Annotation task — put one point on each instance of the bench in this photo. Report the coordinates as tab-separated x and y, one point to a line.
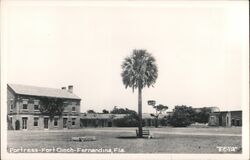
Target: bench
144	132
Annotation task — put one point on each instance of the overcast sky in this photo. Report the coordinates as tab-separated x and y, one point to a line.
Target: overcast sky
198	51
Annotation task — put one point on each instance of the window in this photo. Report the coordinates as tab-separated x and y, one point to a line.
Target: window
36	105
11	104
36	121
233	122
11	120
25	104
24	122
73	121
55	121
212	118
73	109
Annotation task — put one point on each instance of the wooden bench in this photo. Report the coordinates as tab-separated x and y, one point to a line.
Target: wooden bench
144	132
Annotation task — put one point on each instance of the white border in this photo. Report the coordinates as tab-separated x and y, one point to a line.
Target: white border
245	82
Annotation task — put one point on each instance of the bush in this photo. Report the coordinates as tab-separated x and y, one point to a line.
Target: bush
130	120
203	115
127	121
182	116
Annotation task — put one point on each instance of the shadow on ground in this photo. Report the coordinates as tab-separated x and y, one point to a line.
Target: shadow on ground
135	137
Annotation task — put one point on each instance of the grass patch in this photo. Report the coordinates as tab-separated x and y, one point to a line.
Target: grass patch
125	138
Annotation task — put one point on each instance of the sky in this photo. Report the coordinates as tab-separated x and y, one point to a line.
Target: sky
199	51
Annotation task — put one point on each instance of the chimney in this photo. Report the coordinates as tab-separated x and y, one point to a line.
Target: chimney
63	88
70	88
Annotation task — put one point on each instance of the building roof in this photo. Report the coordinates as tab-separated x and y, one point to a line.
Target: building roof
101	116
42	91
229	111
114	116
213	109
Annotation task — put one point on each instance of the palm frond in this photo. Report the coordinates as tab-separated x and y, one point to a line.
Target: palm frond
139	69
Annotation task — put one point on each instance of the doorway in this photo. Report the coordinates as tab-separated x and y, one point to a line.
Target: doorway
46	123
17	125
24	122
109	124
65	122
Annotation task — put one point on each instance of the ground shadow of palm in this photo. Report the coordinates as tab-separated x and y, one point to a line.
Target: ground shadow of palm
135	137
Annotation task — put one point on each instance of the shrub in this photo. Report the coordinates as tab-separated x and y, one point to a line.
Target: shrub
203	115
182	116
130	120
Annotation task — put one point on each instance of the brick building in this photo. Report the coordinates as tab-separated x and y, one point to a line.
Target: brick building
23	108
225	118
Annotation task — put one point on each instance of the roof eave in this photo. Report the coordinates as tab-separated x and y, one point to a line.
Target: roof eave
47	96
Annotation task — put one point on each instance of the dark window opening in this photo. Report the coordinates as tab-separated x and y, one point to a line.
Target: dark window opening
25	106
73	121
36	121
36	107
56	122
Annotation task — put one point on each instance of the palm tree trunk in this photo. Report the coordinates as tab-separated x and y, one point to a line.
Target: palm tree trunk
140	110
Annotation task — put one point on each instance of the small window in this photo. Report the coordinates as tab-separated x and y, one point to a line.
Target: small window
25	104
36	121
212	118
36	105
11	104
73	121
56	122
73	109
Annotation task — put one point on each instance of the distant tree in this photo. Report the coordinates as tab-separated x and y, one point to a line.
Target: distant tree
182	116
117	110
127	121
51	106
151	102
138	71
159	109
131	118
91	111
105	111
203	115
164	121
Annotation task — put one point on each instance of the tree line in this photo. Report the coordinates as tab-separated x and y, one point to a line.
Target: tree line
181	116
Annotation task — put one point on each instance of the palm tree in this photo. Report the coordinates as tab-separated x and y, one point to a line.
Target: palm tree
138	71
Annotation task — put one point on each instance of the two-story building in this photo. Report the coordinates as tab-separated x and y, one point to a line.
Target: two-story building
24	102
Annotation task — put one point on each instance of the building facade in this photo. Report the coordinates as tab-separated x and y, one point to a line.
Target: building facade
108	120
24	103
225	118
